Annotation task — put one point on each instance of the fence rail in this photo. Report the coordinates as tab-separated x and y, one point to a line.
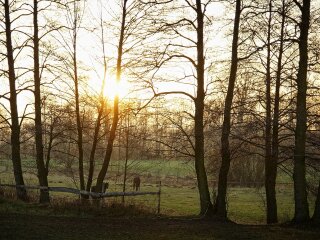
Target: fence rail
92	194
82	192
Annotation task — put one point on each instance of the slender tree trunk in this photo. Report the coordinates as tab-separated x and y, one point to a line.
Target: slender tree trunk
206	208
316	214
299	171
127	157
220	207
270	165
273	215
100	115
15	126
50	146
93	148
76	85
42	172
112	135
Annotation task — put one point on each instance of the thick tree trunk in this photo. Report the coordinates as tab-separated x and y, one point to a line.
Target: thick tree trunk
221	206
299	171
115	120
42	172
316	214
270	164
206	208
15	126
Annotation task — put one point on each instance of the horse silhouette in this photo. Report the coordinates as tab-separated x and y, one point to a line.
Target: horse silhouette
136	183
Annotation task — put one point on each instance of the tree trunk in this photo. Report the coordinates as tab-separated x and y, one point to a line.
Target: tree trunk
94	147
221	207
76	85
206	208
15	126
299	171
270	164
50	146
127	157
316	214
275	124
112	135
42	172
100	115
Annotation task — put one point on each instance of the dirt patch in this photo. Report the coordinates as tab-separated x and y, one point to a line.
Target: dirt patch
19	226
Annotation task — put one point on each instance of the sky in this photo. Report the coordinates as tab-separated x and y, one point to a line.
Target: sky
90	51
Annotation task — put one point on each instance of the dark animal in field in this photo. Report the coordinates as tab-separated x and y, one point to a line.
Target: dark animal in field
136	183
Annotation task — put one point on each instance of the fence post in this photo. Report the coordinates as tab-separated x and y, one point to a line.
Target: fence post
159	197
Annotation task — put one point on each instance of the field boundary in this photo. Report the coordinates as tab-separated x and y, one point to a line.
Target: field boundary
91	194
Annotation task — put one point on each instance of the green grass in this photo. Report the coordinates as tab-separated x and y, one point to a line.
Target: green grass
179	193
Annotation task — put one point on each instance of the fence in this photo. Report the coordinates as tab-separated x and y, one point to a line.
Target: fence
91	194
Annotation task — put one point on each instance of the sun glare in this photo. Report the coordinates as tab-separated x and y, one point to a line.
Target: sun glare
112	88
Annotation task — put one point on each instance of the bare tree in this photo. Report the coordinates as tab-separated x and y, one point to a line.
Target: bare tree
115	120
221	208
42	171
270	164
15	125
299	175
101	110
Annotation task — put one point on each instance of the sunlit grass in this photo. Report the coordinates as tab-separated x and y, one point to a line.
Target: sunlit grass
179	195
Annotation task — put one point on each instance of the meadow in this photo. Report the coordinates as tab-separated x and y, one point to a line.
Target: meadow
179	195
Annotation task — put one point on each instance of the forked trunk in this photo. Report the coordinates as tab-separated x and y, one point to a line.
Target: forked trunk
221	205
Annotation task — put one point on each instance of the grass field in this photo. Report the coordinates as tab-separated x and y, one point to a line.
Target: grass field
66	219
179	193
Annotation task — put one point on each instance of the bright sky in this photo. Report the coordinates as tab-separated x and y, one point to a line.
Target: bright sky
90	53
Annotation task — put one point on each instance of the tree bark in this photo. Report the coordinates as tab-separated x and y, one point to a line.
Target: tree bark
275	124
101	110
206	208
316	214
76	85
115	120
221	206
299	171
94	147
42	172
127	157
270	164
15	126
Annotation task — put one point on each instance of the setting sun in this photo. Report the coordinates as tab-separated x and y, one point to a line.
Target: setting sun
111	87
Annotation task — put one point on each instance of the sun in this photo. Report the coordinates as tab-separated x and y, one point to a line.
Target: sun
111	88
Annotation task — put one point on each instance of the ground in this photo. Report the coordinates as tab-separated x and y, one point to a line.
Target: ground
23	226
66	219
